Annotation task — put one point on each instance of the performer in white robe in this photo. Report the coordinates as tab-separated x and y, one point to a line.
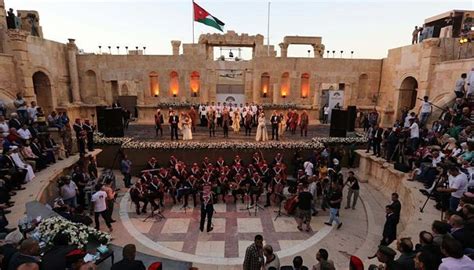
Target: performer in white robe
30	174
236	120
187	132
262	134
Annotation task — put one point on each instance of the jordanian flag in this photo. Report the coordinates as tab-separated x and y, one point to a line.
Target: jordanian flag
202	16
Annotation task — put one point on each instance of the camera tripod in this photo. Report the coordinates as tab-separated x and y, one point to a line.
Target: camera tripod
156	214
439	180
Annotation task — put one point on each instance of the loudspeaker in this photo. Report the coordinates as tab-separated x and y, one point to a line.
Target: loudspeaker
351	117
100	112
338	119
337	132
114	121
110	122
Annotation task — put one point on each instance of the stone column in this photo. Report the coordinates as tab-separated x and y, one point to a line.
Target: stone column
318	50
283	50
20	55
175	44
73	73
3	25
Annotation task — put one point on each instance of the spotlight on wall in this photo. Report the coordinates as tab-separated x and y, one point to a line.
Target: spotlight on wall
144	48
126	49
118	49
352	53
110	47
333	52
100	49
136	48
342	53
309	53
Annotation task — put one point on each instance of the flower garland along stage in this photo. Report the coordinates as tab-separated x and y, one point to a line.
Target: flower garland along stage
79	234
315	143
268	106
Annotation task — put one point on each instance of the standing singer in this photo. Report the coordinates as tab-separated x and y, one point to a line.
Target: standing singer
207	208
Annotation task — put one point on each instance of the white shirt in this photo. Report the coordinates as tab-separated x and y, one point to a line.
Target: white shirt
414	131
4	129
450	263
308	168
68	191
460	183
470	81
25	134
407	121
326	110
459	85
437	160
32	112
425	107
99	201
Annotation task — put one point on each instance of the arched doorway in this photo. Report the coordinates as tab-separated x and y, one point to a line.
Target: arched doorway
407	94
195	83
174	83
154	84
265	84
285	85
304	85
42	88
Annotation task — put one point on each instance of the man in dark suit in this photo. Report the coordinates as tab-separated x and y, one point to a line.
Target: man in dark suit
128	262
89	129
390	228
275	121
377	140
173	121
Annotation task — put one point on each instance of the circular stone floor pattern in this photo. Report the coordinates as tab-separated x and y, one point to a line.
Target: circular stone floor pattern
178	235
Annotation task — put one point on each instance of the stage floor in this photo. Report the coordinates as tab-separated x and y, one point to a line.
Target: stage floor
147	133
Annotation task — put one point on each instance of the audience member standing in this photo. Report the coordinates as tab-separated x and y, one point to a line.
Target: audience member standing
100	207
304	208
271	259
21	107
80	136
459	89
389	233
126	169
334	201
353	183
254	255
322	256
425	111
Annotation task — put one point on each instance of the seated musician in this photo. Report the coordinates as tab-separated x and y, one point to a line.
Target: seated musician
174	184
196	171
146	177
220	162
256	187
187	188
237	169
225	170
137	195
180	171
211	171
237	186
250	169
256	158
301	177
223	186
278	159
152	164
164	176
238	160
205	162
156	191
172	162
275	188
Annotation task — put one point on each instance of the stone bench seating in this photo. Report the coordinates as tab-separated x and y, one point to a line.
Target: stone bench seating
43	187
384	179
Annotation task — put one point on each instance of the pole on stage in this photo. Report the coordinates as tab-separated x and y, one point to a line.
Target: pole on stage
268	30
192	17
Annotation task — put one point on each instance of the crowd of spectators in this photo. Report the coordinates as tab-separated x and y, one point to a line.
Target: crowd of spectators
439	154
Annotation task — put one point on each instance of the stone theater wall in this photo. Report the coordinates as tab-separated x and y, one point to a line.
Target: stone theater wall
61	77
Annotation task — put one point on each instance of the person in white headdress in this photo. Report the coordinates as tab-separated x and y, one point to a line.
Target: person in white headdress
15	156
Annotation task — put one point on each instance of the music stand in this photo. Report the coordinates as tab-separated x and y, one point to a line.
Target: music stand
281	198
157	216
247	195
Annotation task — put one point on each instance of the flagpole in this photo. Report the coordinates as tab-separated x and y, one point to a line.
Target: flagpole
268	30
192	17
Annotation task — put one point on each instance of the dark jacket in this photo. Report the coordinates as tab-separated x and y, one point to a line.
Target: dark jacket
390	227
128	265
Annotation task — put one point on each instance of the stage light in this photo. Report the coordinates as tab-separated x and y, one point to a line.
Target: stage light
100	49
231	54
352	53
118	49
136	47
309	53
110	47
342	53
333	52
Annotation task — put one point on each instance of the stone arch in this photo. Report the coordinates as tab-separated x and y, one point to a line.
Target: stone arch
174	83
407	93
195	83
304	88
154	84
265	84
89	86
363	86
285	84
43	91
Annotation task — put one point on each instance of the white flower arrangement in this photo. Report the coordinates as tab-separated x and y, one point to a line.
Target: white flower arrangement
222	145
79	234
340	140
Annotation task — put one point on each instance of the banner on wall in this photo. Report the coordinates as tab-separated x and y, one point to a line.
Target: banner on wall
336	97
236	99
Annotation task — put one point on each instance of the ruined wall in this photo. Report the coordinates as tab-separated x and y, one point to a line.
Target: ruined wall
8	86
